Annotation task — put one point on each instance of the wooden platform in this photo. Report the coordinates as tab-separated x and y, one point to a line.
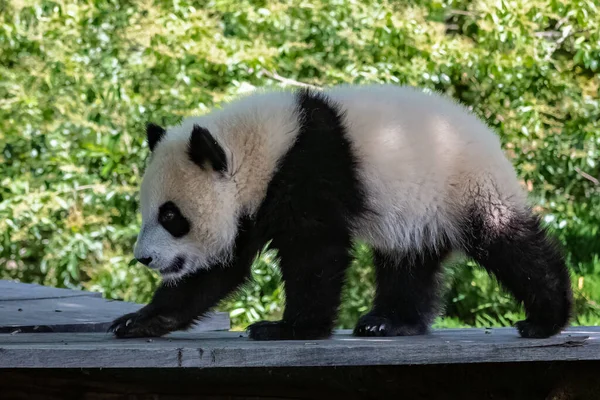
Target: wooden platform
54	347
470	364
232	349
34	308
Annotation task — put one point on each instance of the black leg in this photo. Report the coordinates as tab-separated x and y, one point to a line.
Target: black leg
313	270
529	264
310	203
407	295
178	307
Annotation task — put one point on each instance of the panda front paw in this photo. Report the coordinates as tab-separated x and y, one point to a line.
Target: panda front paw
281	330
140	324
532	330
377	326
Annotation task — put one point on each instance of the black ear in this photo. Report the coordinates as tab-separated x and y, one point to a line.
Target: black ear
154	134
204	148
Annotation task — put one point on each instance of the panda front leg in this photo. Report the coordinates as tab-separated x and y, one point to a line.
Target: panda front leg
313	269
178	306
407	296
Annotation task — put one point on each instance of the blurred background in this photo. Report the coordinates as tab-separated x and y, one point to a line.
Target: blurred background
79	79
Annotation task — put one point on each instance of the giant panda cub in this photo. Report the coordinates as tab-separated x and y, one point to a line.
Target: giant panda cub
414	175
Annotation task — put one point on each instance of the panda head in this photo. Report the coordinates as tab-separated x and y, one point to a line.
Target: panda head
187	200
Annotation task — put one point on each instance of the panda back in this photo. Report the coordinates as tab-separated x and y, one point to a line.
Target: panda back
425	161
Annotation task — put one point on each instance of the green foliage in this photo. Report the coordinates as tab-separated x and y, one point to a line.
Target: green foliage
79	79
263	297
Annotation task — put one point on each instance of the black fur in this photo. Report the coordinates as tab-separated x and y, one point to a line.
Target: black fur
171	218
529	264
307	212
178	307
204	148
154	134
520	254
407	298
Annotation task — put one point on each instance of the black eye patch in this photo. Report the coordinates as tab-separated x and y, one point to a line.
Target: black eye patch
172	220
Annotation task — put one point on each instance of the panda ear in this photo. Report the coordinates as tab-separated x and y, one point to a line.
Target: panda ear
154	134
204	148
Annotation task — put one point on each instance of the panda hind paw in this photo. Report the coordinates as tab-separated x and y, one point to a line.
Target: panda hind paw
282	330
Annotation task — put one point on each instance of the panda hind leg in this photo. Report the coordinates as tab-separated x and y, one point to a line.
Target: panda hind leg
527	262
407	295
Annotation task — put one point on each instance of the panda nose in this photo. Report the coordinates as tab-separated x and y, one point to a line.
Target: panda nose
145	260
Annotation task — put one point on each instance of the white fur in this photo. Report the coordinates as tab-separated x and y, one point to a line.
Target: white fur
424	160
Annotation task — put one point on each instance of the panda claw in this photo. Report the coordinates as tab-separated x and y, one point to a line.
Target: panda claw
375	326
134	325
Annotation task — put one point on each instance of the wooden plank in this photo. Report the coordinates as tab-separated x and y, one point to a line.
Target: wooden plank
235	350
35	308
78	314
11	291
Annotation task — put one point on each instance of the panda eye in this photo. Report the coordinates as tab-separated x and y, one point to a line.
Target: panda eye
172	220
167	216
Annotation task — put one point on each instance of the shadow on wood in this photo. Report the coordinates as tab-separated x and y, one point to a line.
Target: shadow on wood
511	381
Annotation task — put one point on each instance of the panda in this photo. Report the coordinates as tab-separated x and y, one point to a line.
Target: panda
413	174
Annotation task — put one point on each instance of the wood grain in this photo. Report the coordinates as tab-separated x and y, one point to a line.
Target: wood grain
28	308
232	349
10	291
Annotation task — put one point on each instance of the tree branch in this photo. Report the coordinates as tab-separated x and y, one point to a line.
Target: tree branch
287	81
587	176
